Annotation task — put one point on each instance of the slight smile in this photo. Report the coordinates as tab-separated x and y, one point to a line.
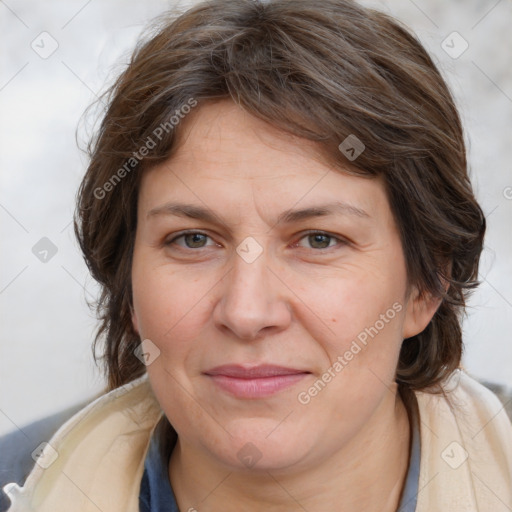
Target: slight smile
254	382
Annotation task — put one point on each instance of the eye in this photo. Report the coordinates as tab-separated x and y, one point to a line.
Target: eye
192	240
315	239
321	240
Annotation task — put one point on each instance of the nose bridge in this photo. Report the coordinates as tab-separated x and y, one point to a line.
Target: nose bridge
252	298
249	278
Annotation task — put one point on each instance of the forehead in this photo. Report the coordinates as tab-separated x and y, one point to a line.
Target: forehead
224	130
226	157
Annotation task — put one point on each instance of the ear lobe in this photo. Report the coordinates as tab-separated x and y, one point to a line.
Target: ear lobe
419	311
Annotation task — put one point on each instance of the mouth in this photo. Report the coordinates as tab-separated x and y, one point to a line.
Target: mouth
256	381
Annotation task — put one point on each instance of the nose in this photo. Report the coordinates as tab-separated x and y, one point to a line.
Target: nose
253	300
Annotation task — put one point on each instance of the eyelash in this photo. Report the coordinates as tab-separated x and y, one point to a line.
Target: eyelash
341	241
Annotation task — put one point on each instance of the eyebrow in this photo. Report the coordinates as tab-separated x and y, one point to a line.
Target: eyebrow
287	217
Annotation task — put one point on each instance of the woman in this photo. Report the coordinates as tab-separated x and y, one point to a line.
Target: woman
278	211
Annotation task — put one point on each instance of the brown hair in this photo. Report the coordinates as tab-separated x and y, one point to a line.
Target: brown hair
320	70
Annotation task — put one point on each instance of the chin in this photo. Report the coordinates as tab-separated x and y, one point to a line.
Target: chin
260	446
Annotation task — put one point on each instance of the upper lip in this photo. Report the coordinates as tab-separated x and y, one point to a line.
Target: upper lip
252	372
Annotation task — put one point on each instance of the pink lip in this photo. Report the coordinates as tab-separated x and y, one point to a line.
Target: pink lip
255	382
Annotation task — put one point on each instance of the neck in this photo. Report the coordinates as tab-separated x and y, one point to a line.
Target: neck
367	474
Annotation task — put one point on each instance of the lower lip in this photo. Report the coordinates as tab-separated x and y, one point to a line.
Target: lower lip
256	388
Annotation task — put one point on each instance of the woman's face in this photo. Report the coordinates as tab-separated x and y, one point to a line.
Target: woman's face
288	262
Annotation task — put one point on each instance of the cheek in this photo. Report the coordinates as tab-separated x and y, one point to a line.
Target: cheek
163	298
173	310
363	355
169	313
366	314
359	309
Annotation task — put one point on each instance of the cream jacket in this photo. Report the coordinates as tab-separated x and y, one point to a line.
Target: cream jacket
466	453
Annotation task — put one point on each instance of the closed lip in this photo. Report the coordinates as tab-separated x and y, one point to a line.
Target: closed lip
253	372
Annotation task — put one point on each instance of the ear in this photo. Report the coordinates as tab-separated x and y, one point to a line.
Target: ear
419	311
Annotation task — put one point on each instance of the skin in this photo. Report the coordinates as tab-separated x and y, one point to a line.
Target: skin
300	304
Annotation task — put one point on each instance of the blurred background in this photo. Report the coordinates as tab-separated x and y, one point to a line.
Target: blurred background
59	56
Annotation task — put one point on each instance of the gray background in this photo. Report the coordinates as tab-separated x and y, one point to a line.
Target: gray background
46	326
